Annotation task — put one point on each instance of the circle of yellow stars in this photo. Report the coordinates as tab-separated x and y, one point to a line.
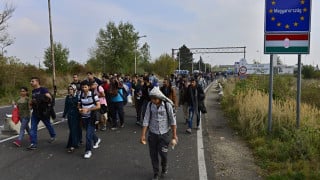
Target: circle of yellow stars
287	26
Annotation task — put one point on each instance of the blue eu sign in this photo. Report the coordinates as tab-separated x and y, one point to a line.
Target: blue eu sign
287	15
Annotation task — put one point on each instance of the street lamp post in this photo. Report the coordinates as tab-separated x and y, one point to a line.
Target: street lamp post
135	55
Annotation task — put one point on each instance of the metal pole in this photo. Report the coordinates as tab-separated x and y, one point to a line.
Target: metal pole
298	91
179	61
270	94
192	66
52	50
135	60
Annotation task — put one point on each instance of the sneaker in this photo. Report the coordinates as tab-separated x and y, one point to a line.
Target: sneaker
164	173
188	130
104	128
138	123
96	145
155	177
71	150
17	143
51	140
32	147
87	155
114	128
122	125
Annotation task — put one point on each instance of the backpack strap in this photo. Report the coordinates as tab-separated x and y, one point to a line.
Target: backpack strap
165	105
168	117
92	96
121	94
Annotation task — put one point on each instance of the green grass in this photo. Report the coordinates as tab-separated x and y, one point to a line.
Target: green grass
286	152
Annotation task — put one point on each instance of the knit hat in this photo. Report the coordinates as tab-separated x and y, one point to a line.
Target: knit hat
155	92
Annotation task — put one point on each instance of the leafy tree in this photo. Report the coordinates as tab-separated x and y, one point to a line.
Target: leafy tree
186	58
200	65
75	67
308	71
164	65
61	55
144	58
116	48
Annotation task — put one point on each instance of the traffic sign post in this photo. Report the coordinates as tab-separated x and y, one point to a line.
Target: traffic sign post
287	27
287	16
287	31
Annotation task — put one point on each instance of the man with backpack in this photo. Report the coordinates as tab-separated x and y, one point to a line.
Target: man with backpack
158	118
41	110
88	106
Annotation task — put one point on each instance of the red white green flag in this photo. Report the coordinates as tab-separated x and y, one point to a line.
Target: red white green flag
287	43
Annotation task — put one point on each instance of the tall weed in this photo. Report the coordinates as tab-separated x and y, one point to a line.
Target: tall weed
287	152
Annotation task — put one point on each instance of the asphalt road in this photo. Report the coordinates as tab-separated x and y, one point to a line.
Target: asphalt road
119	157
7	109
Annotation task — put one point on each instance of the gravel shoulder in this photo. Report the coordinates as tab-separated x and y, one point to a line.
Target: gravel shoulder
228	156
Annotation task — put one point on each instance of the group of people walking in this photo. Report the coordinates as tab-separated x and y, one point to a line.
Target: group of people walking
91	104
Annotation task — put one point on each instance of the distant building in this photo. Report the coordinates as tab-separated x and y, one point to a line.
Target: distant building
243	67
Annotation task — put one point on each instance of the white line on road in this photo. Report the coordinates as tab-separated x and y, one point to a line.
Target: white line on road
15	136
2	107
201	159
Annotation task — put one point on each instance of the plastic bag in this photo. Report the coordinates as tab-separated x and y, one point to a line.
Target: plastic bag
15	115
129	99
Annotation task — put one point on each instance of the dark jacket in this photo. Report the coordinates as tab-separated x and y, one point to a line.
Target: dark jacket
196	96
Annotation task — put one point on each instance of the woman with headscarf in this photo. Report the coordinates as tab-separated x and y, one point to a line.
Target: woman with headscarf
72	113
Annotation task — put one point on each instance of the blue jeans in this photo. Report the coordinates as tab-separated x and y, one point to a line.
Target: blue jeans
91	136
24	126
34	128
117	110
191	113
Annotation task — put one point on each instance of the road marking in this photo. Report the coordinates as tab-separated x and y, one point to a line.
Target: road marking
2	107
201	159
15	136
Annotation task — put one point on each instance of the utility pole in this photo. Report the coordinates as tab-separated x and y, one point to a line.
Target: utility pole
52	51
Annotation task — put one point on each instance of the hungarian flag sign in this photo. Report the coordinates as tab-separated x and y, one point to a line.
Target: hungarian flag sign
287	43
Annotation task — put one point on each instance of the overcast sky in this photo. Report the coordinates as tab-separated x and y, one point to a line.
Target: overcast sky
166	23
